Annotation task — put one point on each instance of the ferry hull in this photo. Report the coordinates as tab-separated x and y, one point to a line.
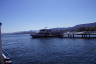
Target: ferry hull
46	36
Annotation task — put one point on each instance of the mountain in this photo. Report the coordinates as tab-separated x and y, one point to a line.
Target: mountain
80	27
23	32
88	26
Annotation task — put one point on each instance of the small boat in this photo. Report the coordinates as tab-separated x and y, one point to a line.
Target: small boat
44	33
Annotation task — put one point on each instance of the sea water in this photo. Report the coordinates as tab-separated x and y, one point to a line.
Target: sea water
23	49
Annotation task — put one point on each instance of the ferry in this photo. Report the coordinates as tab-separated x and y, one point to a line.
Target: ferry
43	33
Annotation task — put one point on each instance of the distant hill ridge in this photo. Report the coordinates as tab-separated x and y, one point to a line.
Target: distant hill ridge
80	27
87	25
77	27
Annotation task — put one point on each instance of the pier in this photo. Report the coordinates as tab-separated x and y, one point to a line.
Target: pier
3	58
80	35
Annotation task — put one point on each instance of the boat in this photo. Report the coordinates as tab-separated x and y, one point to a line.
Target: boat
44	33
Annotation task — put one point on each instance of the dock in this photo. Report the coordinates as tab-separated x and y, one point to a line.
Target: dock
80	35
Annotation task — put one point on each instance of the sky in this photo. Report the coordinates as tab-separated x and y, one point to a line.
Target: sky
23	15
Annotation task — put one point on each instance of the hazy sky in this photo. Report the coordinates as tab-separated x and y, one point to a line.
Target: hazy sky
22	15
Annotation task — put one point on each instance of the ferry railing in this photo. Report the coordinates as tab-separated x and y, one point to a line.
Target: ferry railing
3	58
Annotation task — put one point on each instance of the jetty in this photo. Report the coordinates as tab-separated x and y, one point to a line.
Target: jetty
3	58
85	34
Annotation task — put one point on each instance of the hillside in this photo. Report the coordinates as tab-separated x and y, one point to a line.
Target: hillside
80	27
77	28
